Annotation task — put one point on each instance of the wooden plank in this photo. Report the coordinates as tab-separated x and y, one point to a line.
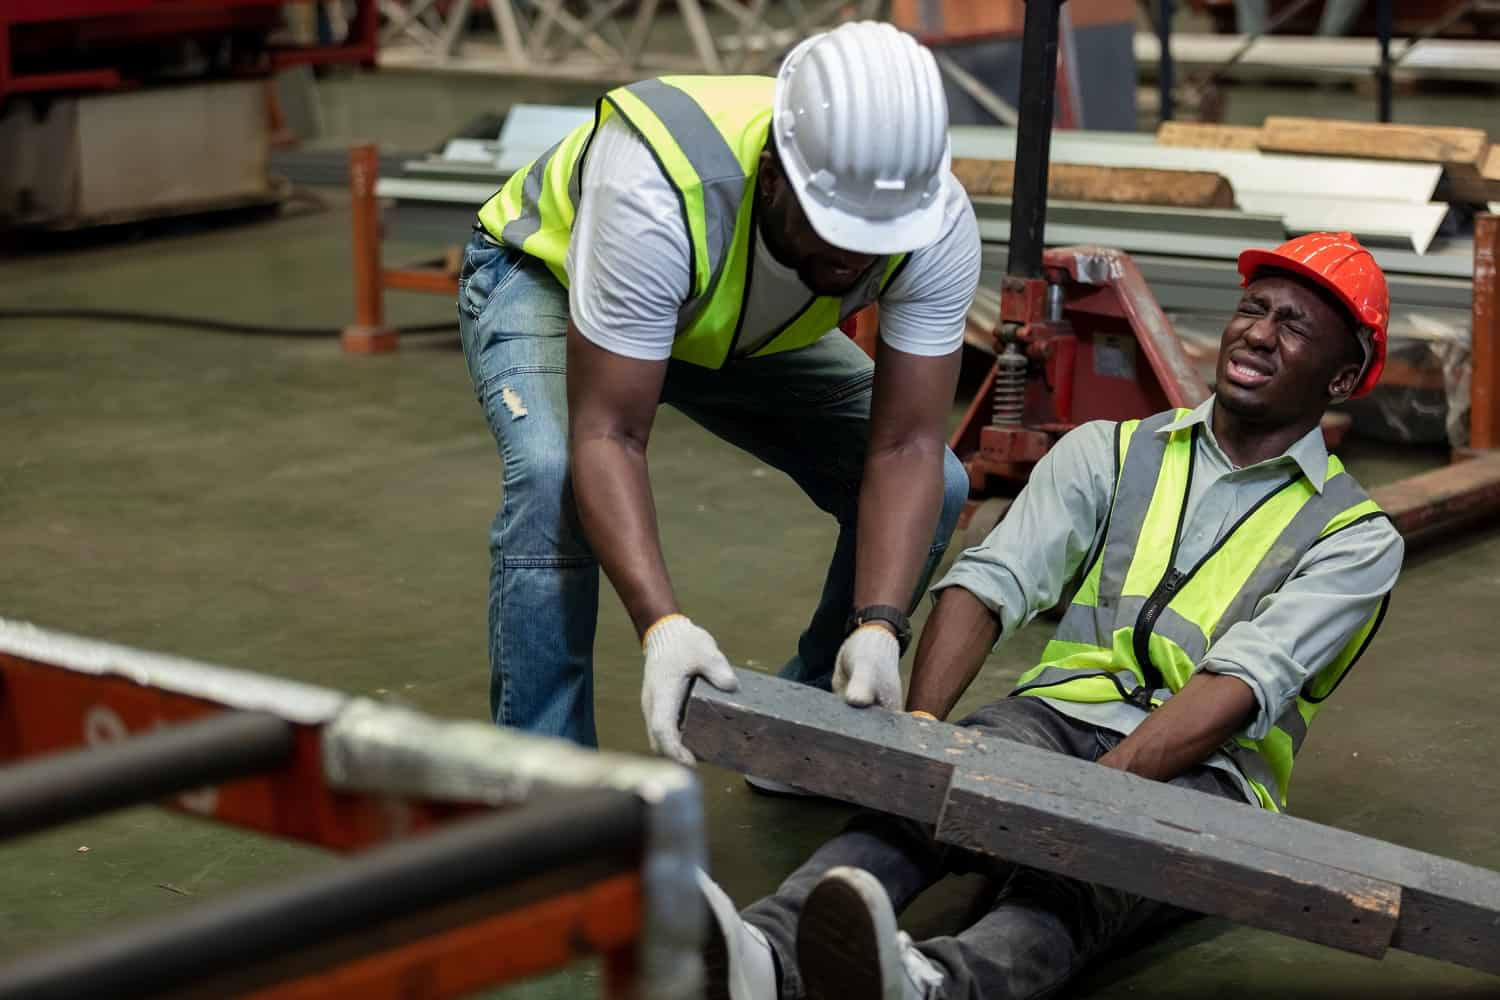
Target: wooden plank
1375	141
1119	845
1200	135
1490	169
904	765
1467	185
1117	185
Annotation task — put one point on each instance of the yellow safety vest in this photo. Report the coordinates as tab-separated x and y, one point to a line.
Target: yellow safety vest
1138	627
707	132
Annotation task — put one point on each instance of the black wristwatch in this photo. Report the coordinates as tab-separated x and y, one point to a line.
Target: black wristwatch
894	617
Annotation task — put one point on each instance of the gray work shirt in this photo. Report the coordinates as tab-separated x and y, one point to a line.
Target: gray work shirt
1023	566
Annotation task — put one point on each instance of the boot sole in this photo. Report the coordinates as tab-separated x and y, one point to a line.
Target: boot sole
839	945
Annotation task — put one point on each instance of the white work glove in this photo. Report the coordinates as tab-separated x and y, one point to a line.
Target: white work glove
676	652
868	669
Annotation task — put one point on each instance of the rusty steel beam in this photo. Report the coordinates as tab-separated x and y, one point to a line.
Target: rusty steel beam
368	334
1484	385
1447	500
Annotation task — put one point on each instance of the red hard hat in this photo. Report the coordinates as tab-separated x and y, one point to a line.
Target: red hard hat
1338	263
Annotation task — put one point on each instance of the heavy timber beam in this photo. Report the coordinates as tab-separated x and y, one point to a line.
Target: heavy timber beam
1172	844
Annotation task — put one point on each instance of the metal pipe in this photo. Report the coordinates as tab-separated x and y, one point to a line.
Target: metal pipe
1028	217
602	830
1164	59
1383	72
63	787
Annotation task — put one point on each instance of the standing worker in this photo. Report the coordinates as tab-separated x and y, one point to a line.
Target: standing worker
697	244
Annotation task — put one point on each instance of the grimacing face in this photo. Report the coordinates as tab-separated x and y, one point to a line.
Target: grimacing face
1289	349
821	266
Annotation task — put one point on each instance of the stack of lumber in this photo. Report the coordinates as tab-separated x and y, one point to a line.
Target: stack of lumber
1470	162
1115	185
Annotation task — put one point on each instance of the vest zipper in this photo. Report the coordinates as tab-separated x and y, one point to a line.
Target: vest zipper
1145	622
1141	638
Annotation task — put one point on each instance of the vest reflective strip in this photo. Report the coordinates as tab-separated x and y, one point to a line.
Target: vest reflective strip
1137	485
1258	770
1306	526
526	225
1293	724
707	176
1096	625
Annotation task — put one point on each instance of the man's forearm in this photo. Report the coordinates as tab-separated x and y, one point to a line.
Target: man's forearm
958	636
1186	729
612	490
899	501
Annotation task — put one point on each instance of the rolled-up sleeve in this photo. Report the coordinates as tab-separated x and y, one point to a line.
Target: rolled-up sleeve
1024	564
1300	628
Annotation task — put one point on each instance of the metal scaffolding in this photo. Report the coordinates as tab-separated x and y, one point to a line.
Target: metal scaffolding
605	39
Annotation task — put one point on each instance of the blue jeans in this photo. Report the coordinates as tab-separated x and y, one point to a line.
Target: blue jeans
804	412
1037	930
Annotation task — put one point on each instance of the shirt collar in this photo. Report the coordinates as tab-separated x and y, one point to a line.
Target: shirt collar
1308	451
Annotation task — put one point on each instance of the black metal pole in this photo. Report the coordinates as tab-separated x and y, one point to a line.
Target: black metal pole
62	787
1164	58
1028	207
590	834
1383	30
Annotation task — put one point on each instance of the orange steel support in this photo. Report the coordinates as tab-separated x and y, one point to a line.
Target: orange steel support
601	919
294	802
369	334
47	708
1484	385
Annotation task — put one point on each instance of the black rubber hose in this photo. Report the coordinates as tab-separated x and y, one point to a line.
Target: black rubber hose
204	323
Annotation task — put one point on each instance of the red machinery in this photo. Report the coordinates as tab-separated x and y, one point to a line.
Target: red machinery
468	855
1086	341
48	46
1081	337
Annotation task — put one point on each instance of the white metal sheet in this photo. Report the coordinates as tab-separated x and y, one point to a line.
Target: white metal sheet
1372	222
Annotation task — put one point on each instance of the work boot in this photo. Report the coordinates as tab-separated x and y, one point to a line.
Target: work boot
737	959
848	947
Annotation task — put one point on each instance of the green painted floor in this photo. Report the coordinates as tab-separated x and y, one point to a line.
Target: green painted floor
274	505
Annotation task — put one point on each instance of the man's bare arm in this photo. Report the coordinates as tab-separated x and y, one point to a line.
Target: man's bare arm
612	403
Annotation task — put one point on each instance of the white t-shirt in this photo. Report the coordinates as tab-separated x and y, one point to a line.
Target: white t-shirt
629	265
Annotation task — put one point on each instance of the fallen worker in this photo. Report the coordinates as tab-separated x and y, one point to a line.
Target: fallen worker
697	244
1230	574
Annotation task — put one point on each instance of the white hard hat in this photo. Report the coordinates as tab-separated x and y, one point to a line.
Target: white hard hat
861	125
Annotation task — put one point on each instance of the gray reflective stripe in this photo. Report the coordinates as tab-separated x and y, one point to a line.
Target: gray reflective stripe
1140	468
1085	623
1339	494
1096	626
1256	768
1187	635
718	169
524	226
575	178
1292	723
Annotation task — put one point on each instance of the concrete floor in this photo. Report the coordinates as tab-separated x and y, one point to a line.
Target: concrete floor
274	505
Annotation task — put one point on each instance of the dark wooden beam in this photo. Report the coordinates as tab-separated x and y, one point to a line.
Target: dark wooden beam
1120	845
1245	862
